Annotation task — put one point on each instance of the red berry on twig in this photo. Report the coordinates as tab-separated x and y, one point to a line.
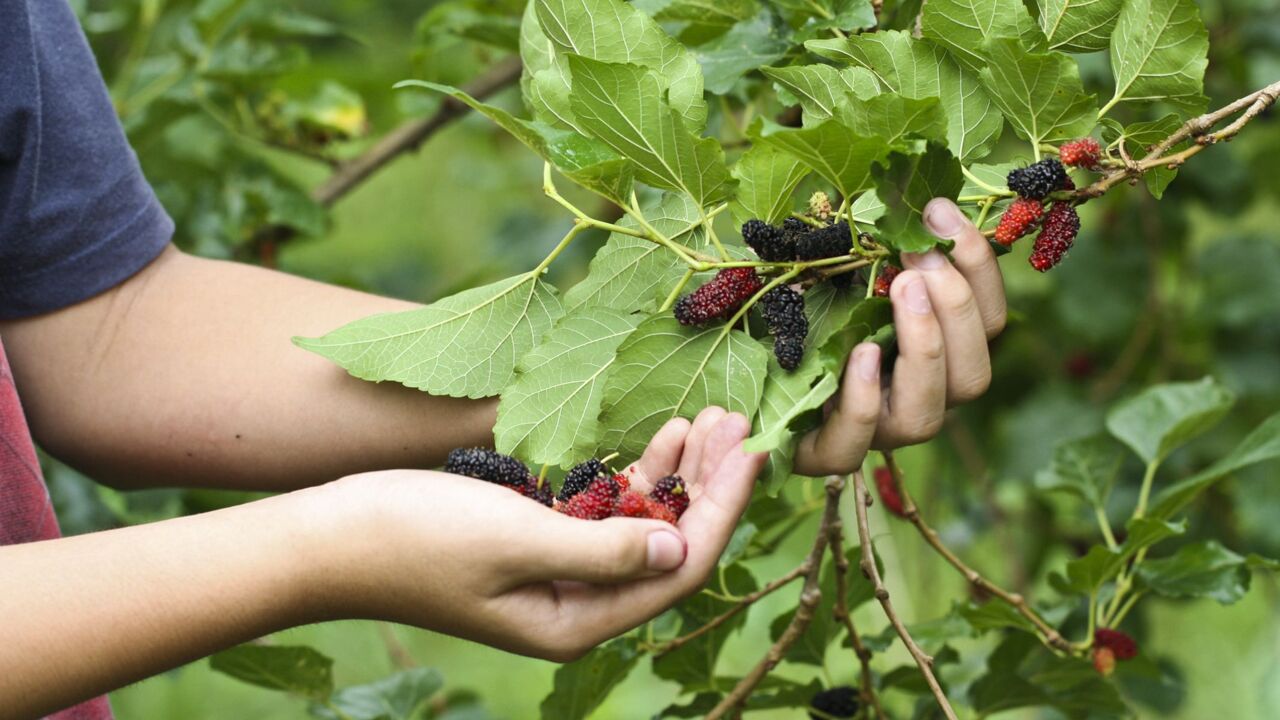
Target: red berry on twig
1057	235
884	280
1085	153
722	295
1018	219
889	494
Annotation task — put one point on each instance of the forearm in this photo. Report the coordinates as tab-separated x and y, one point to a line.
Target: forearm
83	615
185	375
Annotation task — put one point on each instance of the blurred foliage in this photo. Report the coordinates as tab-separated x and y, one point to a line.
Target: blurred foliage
237	108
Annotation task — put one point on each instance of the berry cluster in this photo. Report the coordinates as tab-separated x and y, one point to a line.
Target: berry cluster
580	477
824	242
837	702
1018	220
720	297
884	280
1084	153
783	311
889	494
1110	646
1057	235
492	466
1037	180
771	243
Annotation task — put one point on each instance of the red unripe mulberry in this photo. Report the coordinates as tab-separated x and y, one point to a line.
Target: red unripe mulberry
719	298
1057	235
1018	219
884	280
633	504
1085	153
1104	661
889	494
1117	641
594	503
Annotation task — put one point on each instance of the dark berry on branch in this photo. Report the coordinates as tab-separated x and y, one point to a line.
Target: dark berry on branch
671	493
824	242
486	464
1018	220
771	243
537	490
889	494
594	503
884	280
783	311
1038	179
1117	641
1057	235
796	225
1084	153
722	295
580	477
838	702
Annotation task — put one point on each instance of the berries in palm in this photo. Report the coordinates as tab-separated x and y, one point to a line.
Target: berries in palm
671	493
720	297
783	311
1085	153
837	702
580	477
1038	179
596	502
489	465
1018	220
1057	235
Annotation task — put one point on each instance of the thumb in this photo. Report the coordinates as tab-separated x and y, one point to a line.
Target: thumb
604	551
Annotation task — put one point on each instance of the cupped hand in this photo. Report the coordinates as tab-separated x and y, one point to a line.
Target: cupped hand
478	561
944	313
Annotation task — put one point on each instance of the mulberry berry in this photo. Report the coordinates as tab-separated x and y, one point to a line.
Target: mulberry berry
580	477
820	205
595	502
884	280
1104	661
772	244
538	490
486	464
1018	220
1057	234
783	311
889	494
795	226
718	298
1084	153
824	242
1037	180
671	493
1117	641
633	504
838	702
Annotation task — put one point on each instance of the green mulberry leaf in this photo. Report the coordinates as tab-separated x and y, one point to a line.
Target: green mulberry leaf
1159	51
1040	94
295	669
1079	25
583	684
766	178
1161	419
905	185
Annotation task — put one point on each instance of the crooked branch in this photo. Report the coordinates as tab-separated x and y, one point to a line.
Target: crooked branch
862	499
742	604
835	536
1048	633
810	596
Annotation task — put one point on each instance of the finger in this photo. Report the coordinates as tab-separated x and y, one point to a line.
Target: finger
723	443
601	551
917	395
839	446
662	457
968	362
691	461
974	258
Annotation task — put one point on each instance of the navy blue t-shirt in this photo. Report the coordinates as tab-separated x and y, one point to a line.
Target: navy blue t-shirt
76	215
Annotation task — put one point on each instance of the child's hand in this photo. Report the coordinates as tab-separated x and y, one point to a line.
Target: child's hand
944	315
479	561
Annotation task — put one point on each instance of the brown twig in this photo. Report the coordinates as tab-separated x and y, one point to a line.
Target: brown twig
1252	105
399	654
835	535
911	512
862	499
745	602
810	596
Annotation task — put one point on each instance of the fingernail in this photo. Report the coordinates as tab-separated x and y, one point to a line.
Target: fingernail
867	362
932	260
666	550
943	217
917	296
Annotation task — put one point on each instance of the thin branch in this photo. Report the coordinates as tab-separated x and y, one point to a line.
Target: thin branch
810	596
399	654
911	512
745	602
835	535
862	499
409	136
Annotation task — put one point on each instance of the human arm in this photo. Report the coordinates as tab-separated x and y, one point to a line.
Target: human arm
87	614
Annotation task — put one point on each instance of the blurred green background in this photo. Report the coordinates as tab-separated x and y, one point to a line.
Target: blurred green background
1154	291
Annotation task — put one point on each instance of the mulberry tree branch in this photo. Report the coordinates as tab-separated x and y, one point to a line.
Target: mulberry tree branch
810	596
911	512
742	604
862	499
835	535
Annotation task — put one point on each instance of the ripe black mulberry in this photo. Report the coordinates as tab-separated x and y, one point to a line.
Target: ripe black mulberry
771	243
672	494
824	242
783	311
838	702
486	464
1038	179
580	477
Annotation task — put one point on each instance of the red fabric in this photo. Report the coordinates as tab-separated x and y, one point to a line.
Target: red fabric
25	511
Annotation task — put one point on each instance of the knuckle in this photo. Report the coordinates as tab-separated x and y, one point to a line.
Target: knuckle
996	323
971	388
931	346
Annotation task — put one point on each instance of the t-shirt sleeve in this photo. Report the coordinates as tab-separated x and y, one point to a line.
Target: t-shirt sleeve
76	214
